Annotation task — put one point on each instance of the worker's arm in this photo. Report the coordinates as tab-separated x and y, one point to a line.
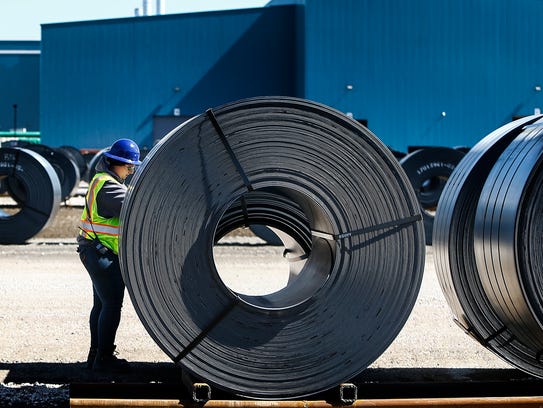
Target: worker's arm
110	199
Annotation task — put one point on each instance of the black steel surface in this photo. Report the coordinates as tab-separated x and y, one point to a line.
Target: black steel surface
66	169
460	238
357	286
429	169
33	185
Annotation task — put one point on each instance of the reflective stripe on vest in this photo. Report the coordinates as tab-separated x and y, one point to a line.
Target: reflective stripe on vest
99	228
93	225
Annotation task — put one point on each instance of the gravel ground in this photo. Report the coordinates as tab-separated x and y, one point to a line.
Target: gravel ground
45	298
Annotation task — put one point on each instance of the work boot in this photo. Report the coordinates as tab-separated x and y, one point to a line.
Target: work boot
90	358
108	361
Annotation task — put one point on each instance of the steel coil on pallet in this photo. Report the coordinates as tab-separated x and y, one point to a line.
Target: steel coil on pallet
33	189
465	281
358	284
429	169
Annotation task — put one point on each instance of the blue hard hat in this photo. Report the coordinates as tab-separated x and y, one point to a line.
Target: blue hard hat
124	150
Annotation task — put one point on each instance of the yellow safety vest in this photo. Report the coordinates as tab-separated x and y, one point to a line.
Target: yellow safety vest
105	229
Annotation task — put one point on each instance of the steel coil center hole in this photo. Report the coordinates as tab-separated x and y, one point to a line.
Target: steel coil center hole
239	259
274	221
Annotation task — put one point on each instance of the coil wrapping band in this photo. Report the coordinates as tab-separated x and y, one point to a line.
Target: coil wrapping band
356	289
33	184
458	271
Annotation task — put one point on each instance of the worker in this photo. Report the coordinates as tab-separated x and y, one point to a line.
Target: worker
98	248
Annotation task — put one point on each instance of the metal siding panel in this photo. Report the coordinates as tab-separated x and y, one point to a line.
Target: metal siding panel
19	84
410	61
104	80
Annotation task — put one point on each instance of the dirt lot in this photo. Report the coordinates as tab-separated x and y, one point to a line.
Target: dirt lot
45	297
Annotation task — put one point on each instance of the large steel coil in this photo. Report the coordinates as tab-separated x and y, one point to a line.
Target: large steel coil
32	194
460	274
77	157
508	242
66	169
93	163
429	169
356	289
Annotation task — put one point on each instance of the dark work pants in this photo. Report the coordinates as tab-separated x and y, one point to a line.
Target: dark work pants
108	293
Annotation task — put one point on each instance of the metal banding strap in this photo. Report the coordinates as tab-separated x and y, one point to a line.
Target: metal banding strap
228	148
243	202
206	330
386	225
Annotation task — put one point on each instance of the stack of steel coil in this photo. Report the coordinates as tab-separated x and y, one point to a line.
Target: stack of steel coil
322	179
487	240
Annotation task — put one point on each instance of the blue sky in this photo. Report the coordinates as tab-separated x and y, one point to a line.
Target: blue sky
21	19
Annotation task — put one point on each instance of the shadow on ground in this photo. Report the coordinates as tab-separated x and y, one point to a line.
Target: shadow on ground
67	373
164	380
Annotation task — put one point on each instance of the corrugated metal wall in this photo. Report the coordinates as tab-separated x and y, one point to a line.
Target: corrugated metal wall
421	72
107	79
478	61
19	84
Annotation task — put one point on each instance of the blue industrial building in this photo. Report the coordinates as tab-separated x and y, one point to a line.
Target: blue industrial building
420	72
19	86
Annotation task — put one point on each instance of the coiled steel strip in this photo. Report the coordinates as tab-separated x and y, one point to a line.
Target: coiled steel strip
275	219
33	185
66	169
453	242
508	244
269	209
429	169
93	163
77	157
356	289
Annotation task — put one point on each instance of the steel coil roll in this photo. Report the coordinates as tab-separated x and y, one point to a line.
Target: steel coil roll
453	242
268	212
66	169
77	157
33	185
508	244
93	163
275	219
429	169
356	289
